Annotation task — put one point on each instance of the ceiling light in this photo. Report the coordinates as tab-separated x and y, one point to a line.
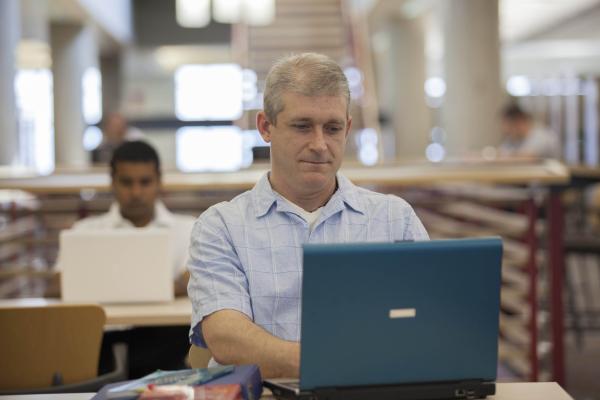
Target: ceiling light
259	12
193	13
227	11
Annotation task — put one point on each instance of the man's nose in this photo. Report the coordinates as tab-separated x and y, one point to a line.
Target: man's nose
136	190
318	142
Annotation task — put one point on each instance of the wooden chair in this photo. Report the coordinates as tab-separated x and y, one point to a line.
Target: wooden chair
54	348
199	357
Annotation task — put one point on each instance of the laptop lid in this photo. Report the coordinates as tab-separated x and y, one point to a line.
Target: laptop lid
408	312
116	266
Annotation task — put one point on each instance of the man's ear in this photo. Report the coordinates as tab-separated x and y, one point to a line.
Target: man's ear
264	126
348	125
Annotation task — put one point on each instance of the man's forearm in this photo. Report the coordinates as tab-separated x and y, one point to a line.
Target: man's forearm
235	339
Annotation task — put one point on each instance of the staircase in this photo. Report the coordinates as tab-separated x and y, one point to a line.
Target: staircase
330	27
299	26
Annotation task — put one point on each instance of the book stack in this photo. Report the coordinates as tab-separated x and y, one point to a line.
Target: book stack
217	383
181	392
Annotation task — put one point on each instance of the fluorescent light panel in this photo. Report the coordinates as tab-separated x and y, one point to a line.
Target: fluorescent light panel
193	13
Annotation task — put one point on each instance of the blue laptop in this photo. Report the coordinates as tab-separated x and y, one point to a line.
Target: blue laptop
405	320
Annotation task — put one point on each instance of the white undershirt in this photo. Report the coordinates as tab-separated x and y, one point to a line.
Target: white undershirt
309	217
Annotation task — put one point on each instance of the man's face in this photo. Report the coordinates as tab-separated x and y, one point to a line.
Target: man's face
307	141
136	186
515	128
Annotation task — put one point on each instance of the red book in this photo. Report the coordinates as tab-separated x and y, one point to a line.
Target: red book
180	392
167	392
218	392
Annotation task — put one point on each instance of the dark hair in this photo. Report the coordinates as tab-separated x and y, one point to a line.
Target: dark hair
135	151
514	111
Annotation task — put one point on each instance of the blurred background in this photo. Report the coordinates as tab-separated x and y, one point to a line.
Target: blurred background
428	77
429	80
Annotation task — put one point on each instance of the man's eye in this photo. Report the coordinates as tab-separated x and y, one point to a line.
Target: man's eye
334	129
300	126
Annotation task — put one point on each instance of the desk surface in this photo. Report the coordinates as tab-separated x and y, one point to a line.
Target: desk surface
177	312
505	391
549	172
583	171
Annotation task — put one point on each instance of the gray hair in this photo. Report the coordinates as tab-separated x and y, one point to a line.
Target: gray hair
307	74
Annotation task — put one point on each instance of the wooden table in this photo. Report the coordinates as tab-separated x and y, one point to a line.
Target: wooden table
505	391
421	174
585	172
173	313
178	312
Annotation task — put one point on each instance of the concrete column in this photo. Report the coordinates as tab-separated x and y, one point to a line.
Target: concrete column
74	49
110	69
381	43
9	38
34	20
409	110
472	71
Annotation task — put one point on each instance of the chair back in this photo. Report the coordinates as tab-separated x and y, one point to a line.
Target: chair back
49	345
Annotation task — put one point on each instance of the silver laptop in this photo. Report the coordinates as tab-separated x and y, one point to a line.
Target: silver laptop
116	266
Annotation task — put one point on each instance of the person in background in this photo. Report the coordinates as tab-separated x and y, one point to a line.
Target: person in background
136	184
115	131
246	254
525	139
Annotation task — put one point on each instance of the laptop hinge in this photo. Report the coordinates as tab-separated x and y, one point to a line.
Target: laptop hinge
474	389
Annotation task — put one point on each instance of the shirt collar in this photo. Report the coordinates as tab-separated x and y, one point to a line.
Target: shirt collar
162	216
347	193
264	197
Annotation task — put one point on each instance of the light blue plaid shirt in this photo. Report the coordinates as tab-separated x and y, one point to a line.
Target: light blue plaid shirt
246	254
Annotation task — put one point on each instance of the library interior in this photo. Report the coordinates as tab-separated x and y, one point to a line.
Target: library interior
166	167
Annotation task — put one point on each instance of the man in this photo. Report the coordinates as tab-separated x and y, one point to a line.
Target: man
246	254
115	131
524	139
136	184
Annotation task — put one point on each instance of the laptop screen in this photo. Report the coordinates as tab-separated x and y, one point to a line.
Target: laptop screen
409	312
116	266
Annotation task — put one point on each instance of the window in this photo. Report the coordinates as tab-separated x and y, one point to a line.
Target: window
209	148
33	90
91	86
208	92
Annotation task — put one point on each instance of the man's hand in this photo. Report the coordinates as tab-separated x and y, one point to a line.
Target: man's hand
234	339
